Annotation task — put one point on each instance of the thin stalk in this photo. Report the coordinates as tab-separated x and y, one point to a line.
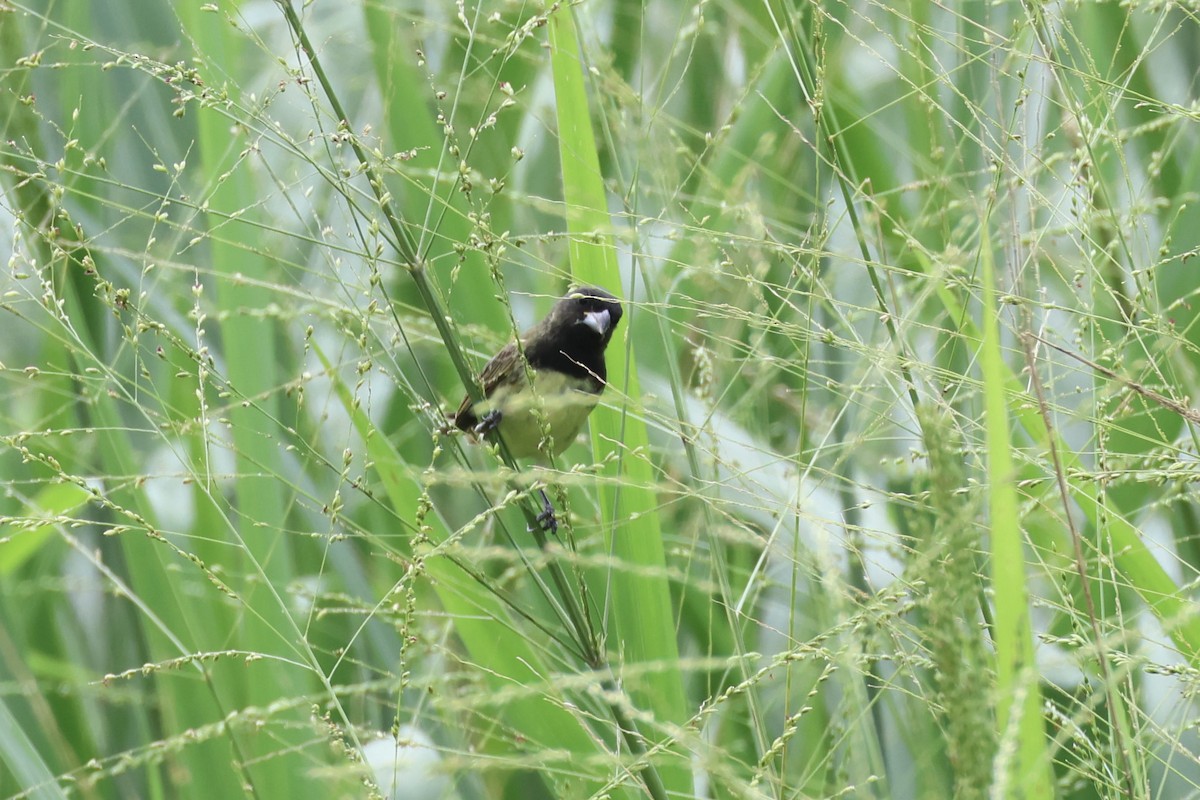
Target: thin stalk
407	249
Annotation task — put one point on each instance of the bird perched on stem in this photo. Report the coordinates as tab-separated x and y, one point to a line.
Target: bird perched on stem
565	357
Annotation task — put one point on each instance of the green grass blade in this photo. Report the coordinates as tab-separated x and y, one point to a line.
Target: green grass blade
643	628
1025	768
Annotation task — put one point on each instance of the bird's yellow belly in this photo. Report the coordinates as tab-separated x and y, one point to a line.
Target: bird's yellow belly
564	404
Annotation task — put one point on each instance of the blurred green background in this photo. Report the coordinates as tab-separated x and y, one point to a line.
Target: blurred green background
891	495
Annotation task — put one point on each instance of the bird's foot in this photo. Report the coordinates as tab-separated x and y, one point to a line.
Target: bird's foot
488	423
547	520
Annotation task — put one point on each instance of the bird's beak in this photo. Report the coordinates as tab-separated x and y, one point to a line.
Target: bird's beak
598	321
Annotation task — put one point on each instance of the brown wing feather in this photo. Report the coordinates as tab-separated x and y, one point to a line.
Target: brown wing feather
495	372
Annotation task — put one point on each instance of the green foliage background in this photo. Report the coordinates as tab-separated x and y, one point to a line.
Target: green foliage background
891	494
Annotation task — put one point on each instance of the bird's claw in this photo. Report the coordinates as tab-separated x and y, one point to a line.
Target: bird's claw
488	423
547	520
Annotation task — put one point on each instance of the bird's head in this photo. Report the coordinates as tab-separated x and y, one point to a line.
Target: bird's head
589	308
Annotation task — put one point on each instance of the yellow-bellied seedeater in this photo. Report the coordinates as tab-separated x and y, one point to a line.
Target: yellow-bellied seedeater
565	353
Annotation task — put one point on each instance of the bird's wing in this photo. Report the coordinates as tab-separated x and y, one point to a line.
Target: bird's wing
495	372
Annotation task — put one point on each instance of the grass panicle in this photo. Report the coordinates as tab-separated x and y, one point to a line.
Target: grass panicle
888	496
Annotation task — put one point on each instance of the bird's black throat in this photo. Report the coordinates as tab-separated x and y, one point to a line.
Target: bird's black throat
579	359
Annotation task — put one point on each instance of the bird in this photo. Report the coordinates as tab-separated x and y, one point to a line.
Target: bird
565	357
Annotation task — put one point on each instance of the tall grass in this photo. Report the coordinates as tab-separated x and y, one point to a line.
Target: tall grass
890	495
